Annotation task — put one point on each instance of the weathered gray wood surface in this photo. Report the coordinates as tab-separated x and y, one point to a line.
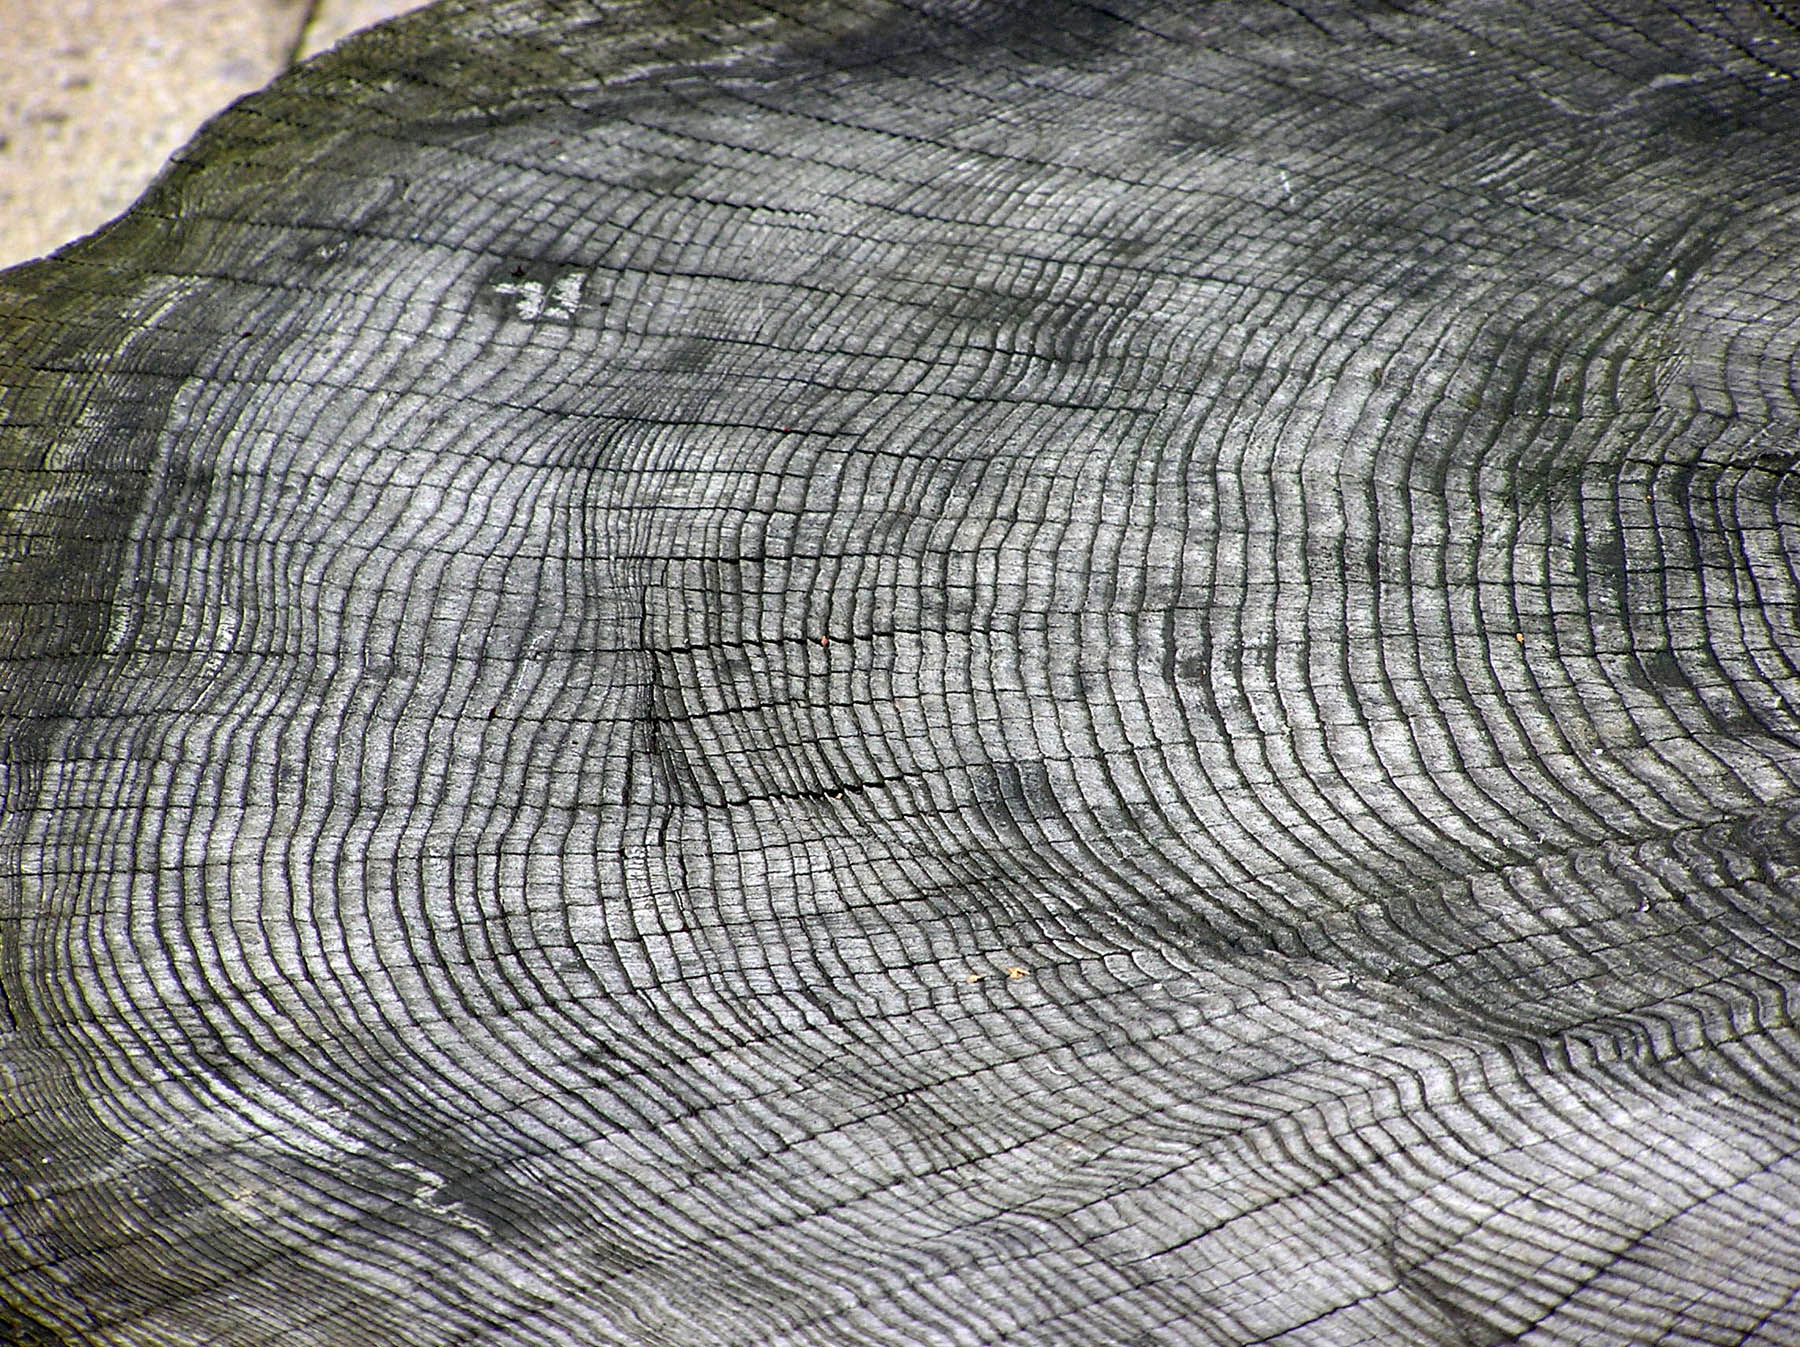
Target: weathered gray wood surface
851	674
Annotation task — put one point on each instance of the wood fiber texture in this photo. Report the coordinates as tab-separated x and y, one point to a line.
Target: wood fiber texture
857	673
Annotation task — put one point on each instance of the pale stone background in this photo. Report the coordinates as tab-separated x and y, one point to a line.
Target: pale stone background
96	94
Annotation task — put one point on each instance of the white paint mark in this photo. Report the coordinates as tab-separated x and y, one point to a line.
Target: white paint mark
531	301
427	1188
531	298
566	295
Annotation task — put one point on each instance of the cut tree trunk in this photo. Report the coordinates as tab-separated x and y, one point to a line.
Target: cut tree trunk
959	673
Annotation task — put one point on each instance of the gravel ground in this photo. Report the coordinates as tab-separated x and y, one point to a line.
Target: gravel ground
96	94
